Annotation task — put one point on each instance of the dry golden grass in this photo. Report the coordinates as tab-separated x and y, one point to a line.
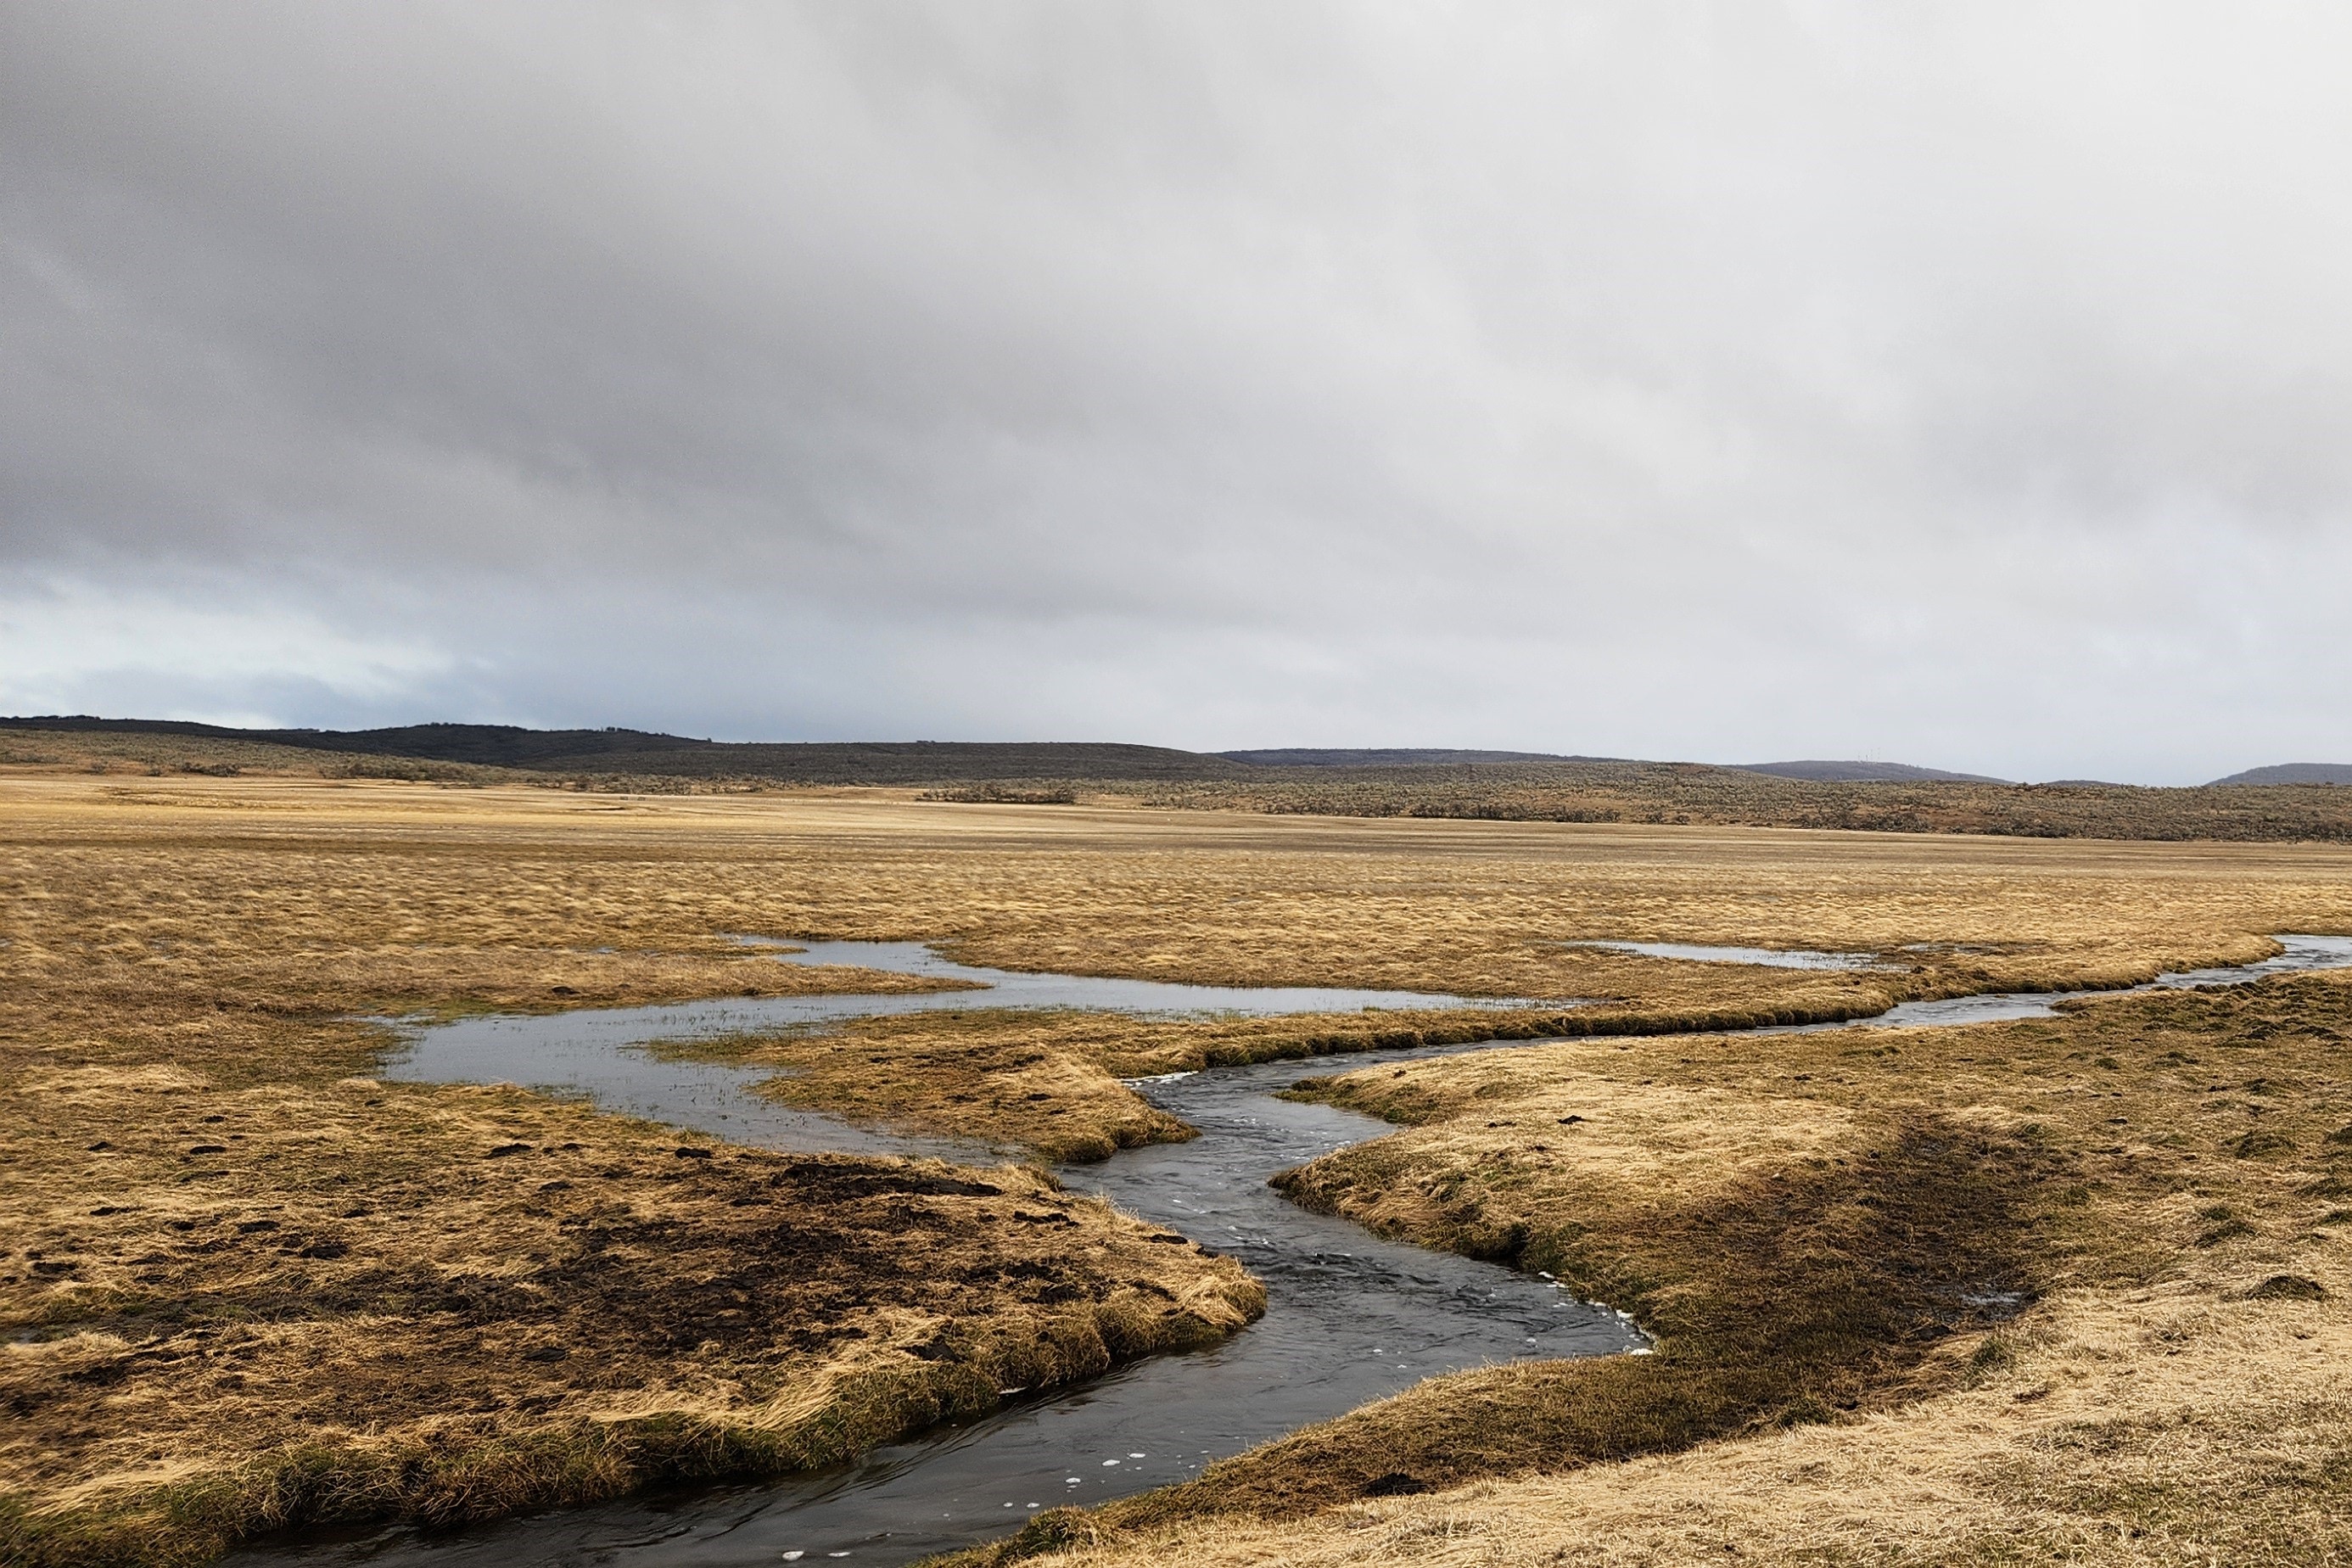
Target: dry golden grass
1050	1082
1005	1078
245	1291
185	947
1469	906
237	1307
1812	1224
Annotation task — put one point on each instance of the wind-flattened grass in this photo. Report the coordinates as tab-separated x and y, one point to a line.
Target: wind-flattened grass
1824	1230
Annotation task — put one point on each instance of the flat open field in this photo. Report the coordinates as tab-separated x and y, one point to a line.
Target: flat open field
224	1237
1652	794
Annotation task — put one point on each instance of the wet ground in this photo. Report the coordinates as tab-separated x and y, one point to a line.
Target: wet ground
1350	1318
2302	953
589	1051
1769	957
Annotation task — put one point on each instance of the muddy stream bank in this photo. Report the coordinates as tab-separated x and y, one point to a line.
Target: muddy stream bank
1349	1318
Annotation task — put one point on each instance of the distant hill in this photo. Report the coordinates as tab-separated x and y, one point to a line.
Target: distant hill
615	753
1862	773
1859	771
643	753
1389	757
1491	786
2293	774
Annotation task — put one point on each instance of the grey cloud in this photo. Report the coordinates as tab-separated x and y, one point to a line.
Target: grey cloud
1698	380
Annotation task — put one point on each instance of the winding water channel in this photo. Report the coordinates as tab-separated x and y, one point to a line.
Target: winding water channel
1349	1318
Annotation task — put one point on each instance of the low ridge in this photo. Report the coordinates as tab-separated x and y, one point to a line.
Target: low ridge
2293	774
1862	773
619	750
1392	757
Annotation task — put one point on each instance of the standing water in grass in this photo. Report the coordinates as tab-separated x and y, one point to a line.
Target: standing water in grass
1349	1318
594	1051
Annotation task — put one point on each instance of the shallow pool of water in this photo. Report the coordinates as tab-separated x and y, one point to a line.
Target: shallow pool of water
1769	957
591	1051
2301	955
1350	1318
1020	988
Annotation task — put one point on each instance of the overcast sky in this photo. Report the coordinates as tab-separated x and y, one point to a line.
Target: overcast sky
1968	385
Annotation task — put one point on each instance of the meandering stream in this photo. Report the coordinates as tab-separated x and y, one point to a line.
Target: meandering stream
1349	1318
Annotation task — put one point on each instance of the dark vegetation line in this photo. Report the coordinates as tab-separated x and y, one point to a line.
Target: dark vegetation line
1690	793
636	752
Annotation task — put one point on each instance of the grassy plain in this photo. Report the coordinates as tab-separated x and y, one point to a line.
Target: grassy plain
1656	794
1831	1234
192	1301
246	1284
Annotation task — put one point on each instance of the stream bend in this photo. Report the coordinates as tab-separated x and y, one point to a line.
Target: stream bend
1350	1318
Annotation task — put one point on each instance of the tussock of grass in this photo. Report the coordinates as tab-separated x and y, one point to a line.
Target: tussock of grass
1006	1078
441	1480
